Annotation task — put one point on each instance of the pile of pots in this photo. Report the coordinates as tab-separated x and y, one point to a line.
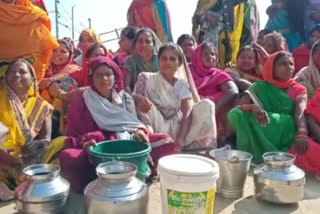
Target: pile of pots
190	189
116	189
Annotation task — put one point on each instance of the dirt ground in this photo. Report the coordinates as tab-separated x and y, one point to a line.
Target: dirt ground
246	205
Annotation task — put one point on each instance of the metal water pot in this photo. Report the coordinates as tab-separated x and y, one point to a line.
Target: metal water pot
279	180
43	191
116	190
234	166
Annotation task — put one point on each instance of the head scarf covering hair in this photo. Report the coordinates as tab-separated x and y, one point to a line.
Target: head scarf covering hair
310	74
24	122
278	41
155	39
135	64
93	35
82	77
63	71
71	42
196	59
54	69
102	60
207	79
268	72
33	91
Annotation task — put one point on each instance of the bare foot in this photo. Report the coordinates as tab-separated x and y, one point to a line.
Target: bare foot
5	193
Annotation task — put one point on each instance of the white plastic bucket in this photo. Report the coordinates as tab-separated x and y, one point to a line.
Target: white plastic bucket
188	184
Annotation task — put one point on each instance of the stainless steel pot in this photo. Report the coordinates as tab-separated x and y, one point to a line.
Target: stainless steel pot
43	191
234	166
279	180
116	191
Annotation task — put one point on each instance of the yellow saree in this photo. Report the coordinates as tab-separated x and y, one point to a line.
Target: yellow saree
23	120
233	36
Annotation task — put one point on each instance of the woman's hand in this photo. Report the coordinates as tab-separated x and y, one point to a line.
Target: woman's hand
141	135
262	117
143	104
257	47
260	50
45	82
88	144
301	145
62	95
280	41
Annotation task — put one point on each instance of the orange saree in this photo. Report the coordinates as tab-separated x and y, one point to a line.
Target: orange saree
26	35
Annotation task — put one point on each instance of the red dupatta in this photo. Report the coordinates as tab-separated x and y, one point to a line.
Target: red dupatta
207	80
267	73
100	60
82	76
68	67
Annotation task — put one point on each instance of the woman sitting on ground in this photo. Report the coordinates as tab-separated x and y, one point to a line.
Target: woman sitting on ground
168	102
144	59
28	118
302	53
86	38
92	51
272	43
270	116
188	44
107	113
57	82
310	76
213	83
127	37
247	69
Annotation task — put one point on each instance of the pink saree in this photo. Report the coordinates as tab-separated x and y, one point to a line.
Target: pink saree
207	80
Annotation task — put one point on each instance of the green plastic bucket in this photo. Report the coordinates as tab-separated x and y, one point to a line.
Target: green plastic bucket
131	151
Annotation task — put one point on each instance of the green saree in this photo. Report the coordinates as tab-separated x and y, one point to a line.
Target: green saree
278	135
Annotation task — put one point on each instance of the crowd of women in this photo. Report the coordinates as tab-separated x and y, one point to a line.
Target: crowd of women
177	97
